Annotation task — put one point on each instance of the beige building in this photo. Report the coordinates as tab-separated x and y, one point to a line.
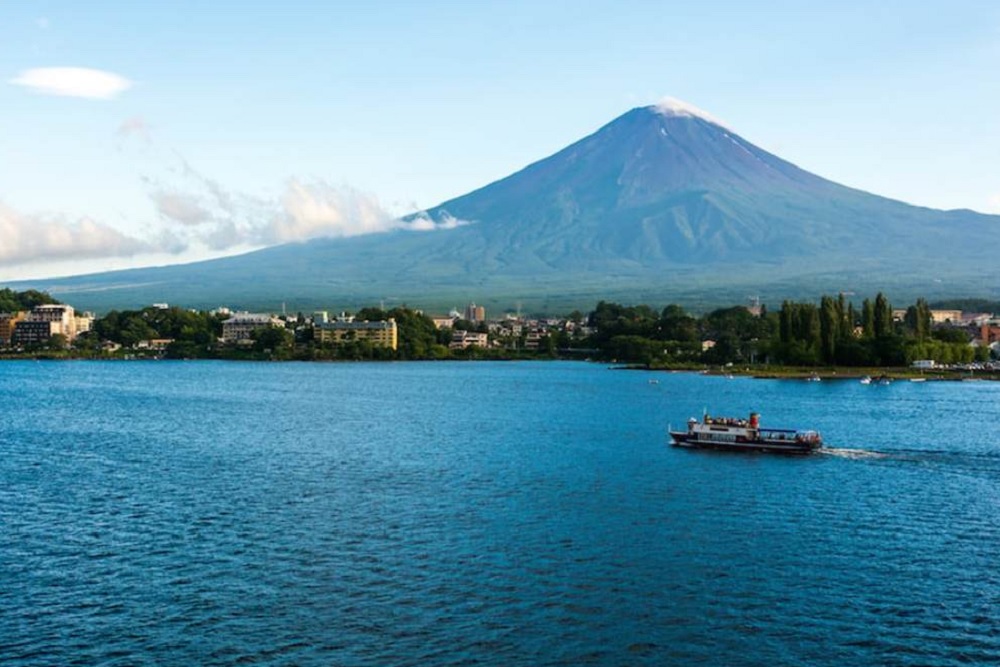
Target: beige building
238	329
942	316
53	312
7	323
154	344
83	323
48	320
937	316
463	339
346	329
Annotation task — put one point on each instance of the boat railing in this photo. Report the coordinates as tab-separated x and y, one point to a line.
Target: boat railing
726	421
786	431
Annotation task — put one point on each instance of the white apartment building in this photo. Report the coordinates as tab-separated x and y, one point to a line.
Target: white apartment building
239	328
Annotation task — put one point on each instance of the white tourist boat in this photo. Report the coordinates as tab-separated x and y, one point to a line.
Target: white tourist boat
745	435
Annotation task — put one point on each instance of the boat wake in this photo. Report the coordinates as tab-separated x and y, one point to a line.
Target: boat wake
852	453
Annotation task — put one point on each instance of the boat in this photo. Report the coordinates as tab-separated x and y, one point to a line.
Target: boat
745	435
814	378
866	379
883	380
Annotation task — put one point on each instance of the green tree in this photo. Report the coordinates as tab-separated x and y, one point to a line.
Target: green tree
276	341
882	322
57	342
868	319
948	334
612	319
12	302
829	327
675	324
417	336
87	344
634	349
845	319
918	319
785	322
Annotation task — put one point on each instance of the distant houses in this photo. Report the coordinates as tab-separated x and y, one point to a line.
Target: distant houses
461	340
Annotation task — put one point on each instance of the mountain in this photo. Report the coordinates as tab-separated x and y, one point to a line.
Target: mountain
662	203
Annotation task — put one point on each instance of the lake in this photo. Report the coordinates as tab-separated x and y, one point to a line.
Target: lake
213	513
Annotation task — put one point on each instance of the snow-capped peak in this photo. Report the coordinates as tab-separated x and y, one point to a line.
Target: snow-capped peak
673	107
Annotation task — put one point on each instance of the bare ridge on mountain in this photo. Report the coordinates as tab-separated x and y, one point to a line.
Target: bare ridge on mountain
662	203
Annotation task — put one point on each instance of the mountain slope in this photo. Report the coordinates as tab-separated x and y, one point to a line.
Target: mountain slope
650	186
659	204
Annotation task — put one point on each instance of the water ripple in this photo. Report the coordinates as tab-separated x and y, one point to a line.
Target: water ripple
470	514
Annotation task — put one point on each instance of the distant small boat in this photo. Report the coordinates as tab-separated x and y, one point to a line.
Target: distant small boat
654	382
866	379
918	379
814	378
884	380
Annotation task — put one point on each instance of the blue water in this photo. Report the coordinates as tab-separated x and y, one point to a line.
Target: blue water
487	514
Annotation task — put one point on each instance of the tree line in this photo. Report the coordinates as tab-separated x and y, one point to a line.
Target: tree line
14	302
832	332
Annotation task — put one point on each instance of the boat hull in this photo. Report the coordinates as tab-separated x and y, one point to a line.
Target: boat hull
687	440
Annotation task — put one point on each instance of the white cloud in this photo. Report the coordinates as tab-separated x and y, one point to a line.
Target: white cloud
422	222
32	238
205	214
313	210
178	207
320	210
73	82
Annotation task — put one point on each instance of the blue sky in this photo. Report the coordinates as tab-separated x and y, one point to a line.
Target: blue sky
197	129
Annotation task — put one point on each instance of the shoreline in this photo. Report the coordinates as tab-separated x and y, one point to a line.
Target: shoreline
803	373
800	373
